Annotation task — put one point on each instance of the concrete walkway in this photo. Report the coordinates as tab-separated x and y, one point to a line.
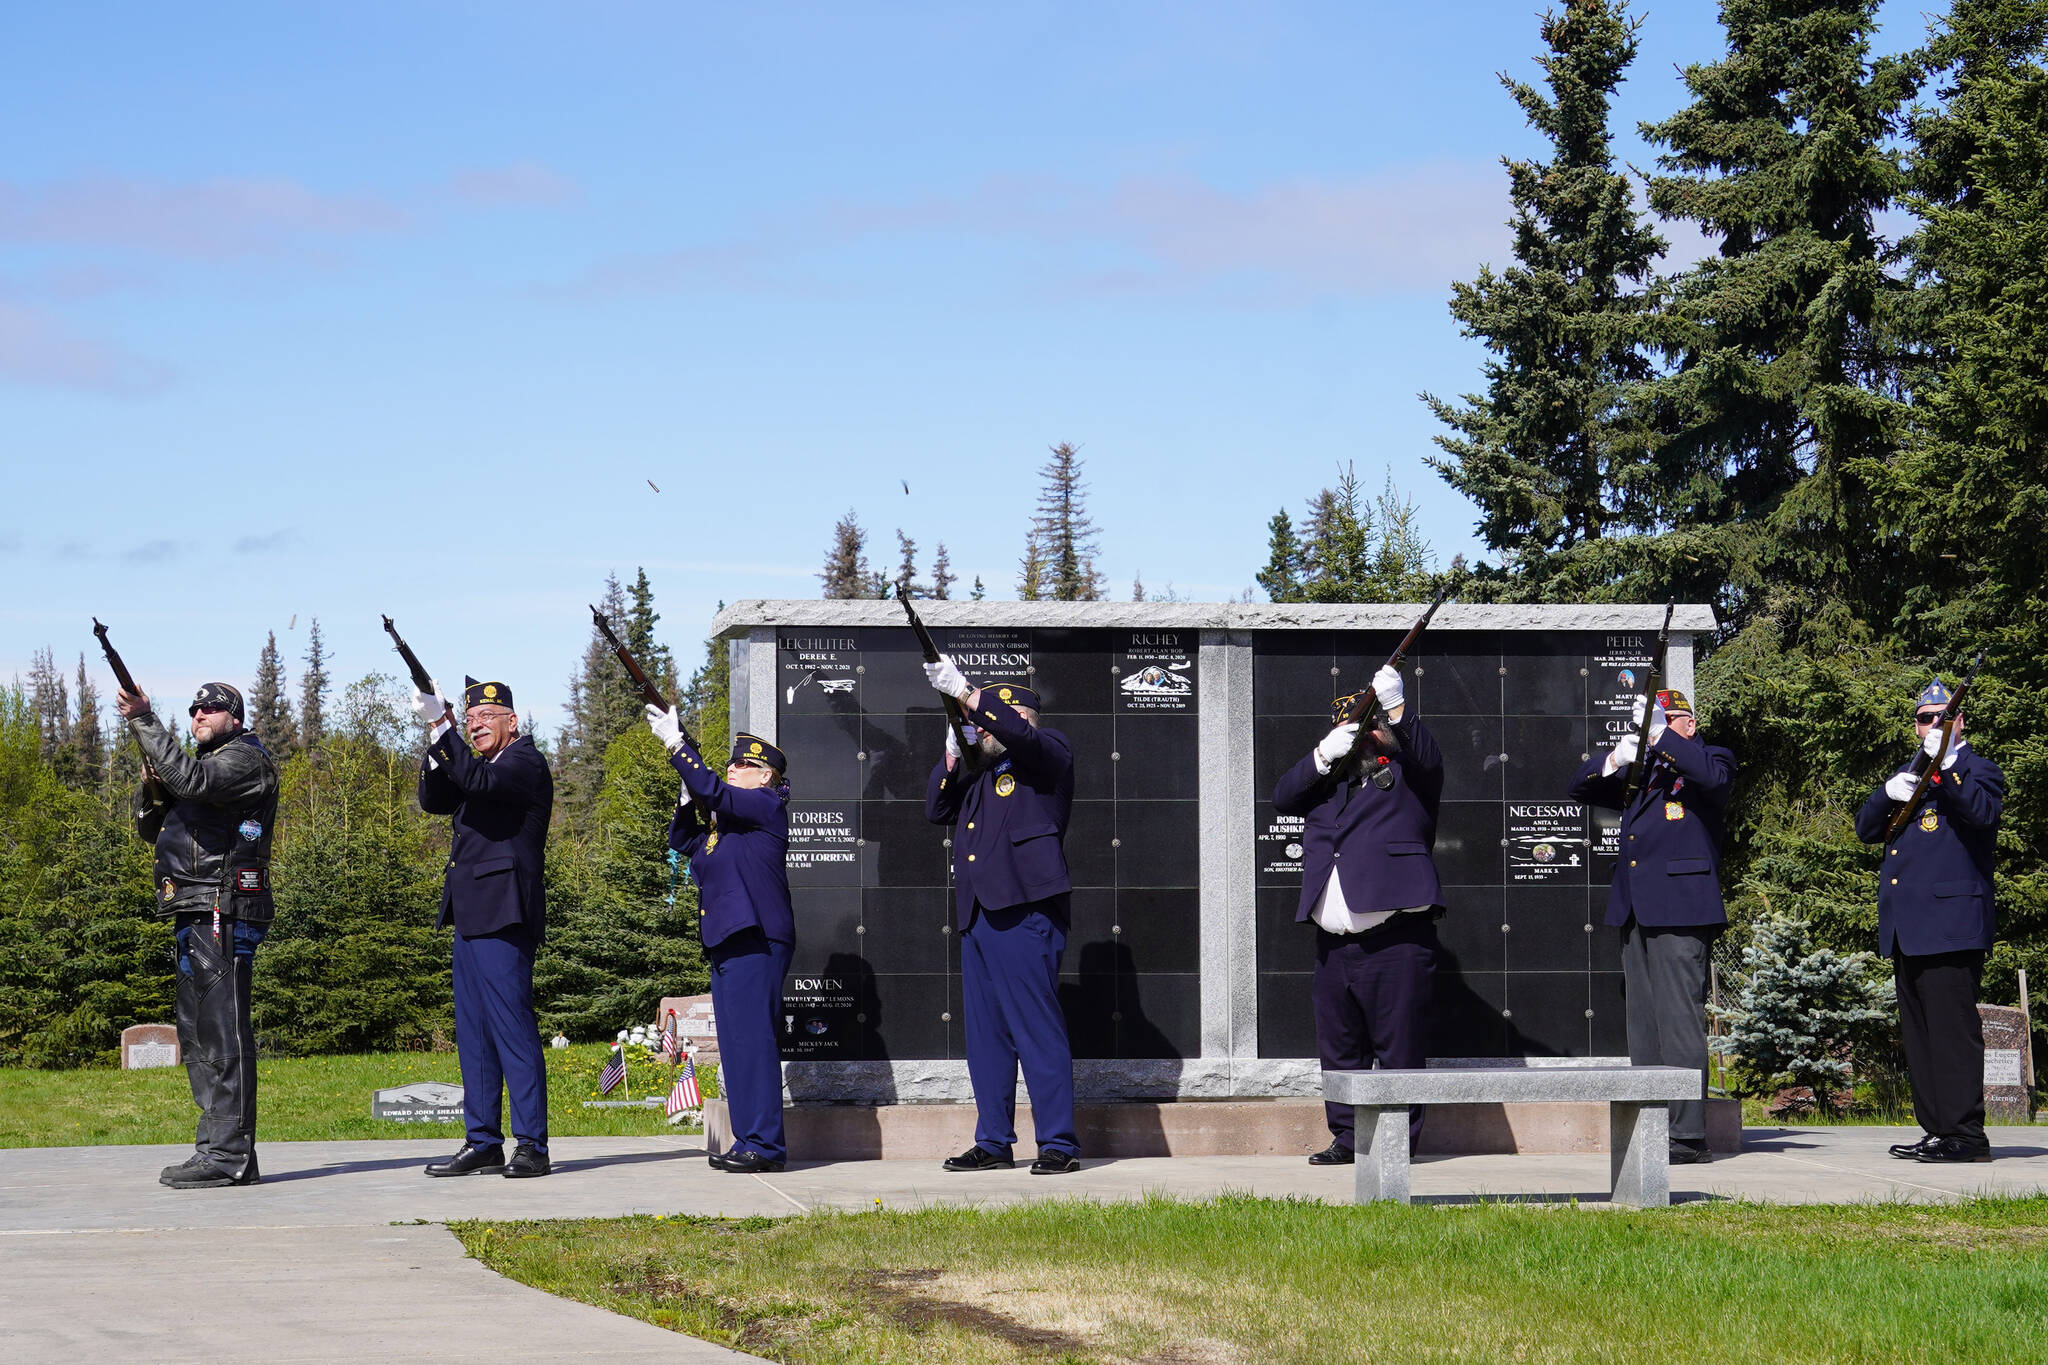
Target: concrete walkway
325	1260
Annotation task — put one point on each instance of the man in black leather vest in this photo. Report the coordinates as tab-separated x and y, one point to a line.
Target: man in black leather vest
211	815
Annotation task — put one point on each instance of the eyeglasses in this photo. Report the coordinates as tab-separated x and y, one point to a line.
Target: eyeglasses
488	713
207	711
748	763
1927	718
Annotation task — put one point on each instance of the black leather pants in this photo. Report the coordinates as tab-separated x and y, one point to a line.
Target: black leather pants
218	1041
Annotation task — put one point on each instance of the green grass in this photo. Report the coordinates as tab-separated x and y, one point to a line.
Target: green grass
301	1099
1245	1279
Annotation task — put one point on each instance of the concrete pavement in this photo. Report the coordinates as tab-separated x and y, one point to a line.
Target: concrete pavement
325	1260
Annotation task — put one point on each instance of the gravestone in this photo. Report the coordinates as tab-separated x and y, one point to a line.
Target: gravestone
419	1102
1185	974
696	1025
2007	1087
149	1045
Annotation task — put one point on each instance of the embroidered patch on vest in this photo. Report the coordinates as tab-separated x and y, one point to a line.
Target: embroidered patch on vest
1005	785
168	889
1674	810
248	879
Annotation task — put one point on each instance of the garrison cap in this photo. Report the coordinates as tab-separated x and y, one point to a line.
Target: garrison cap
226	696
1935	693
748	748
1671	699
476	693
1340	705
1013	694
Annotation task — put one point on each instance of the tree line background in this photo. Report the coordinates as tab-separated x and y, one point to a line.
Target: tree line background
1833	428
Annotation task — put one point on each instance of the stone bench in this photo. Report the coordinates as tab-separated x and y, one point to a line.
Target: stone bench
1638	1117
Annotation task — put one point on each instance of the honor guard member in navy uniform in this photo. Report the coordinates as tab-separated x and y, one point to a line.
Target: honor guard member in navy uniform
1935	921
500	792
211	815
1369	885
735	832
1666	894
1011	890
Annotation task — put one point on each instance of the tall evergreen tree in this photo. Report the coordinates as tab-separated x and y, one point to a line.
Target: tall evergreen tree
905	583
1064	535
88	735
313	685
603	704
1281	578
640	620
1552	452
52	700
1030	569
1777	365
846	573
943	577
270	708
978	592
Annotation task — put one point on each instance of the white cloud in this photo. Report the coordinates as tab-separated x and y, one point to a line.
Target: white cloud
40	351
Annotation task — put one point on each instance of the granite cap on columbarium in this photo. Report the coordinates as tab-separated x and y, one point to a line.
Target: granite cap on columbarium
751	612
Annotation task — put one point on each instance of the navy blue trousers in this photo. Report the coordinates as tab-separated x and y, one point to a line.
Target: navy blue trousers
1372	996
747	969
1010	993
497	1038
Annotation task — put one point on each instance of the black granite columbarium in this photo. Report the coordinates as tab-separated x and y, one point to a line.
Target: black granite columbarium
1529	969
876	972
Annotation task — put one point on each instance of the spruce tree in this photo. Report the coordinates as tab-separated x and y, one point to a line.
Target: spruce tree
943	577
1030	569
1775	400
846	573
313	684
88	735
640	620
1063	535
1138	586
603	704
978	592
905	583
270	709
1281	578
1799	1011
1551	453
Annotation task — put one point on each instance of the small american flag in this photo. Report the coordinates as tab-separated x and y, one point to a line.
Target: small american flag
670	1048
614	1070
685	1095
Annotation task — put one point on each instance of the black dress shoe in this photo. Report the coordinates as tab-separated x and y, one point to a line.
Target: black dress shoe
197	1173
1909	1151
527	1162
718	1160
1690	1154
1056	1163
1952	1151
752	1163
979	1158
469	1161
1336	1154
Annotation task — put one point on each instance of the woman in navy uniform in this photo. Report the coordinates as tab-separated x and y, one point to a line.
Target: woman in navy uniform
735	832
1369	885
1935	921
499	790
1666	894
1011	890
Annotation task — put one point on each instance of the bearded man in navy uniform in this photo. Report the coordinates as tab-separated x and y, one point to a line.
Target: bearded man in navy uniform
1011	888
1369	886
735	834
498	788
1666	894
1936	921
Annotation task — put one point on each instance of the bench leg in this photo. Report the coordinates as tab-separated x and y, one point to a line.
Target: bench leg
1380	1137
1639	1154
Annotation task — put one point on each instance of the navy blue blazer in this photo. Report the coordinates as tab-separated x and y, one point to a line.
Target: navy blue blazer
1934	889
1379	843
1010	819
497	857
737	840
1669	872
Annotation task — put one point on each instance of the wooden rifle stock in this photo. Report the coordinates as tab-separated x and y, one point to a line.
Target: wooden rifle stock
1639	771
153	789
1925	766
649	693
930	649
420	680
1365	709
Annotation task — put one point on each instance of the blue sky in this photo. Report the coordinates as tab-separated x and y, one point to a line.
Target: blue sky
333	310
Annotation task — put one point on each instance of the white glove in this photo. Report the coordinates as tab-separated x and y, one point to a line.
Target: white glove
1900	787
1659	723
1386	685
952	746
429	707
667	726
1335	745
945	677
1635	714
1622	754
1932	745
683	796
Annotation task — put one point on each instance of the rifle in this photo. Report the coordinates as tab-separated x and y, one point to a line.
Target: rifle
1639	771
153	790
930	649
1924	766
420	680
649	693
1365	709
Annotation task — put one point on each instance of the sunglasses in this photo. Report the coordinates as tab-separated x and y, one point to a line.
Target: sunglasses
747	763
1927	717
207	711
